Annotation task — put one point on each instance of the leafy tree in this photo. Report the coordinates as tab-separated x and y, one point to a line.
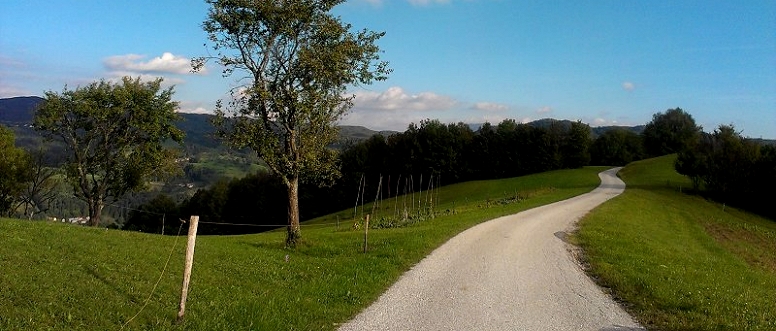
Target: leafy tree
575	149
14	171
617	147
300	59
113	134
670	132
724	162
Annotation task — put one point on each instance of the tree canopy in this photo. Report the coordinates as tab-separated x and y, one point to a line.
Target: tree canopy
300	60
670	132
14	171
113	133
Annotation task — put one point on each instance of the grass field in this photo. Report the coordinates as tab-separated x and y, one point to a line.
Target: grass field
57	276
681	262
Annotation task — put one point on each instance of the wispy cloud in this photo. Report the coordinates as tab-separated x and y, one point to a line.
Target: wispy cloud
396	99
395	108
544	110
490	107
628	86
168	63
194	108
7	91
426	2
167	81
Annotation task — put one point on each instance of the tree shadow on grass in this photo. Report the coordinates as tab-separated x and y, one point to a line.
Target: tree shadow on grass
92	270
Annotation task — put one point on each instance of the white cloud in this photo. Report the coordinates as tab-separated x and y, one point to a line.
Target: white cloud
490	107
394	109
396	99
544	110
167	63
628	86
601	121
194	108
116	76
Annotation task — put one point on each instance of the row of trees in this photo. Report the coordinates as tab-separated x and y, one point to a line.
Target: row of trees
722	164
732	169
424	156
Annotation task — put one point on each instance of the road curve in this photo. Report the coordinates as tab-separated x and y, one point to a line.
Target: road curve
511	273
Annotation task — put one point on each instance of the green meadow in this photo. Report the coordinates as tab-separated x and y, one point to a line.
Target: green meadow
675	260
678	261
59	276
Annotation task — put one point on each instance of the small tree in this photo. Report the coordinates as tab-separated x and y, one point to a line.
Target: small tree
42	185
14	172
113	134
300	59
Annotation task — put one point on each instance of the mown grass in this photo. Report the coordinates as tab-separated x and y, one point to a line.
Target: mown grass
678	261
57	276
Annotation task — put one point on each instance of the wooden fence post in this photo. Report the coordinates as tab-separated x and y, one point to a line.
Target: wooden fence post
366	232
193	222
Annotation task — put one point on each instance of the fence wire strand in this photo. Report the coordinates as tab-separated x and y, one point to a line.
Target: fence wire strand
148	299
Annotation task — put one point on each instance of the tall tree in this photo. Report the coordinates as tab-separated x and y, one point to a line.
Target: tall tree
670	132
300	59
14	171
575	149
113	134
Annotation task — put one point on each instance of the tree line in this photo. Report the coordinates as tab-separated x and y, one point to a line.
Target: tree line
722	164
732	169
425	155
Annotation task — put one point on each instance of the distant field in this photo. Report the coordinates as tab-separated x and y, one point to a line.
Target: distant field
681	262
57	276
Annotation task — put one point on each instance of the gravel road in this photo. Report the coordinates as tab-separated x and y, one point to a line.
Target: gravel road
511	273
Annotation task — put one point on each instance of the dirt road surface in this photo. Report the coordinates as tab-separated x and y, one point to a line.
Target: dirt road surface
511	273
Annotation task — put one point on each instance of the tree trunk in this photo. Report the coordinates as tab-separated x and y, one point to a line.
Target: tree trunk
95	212
294	233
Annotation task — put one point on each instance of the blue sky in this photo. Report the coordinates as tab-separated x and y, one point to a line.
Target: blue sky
613	62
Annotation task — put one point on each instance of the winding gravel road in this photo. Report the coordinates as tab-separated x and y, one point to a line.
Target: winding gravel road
511	273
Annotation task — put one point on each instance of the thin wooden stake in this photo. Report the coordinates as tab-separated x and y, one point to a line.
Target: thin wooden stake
366	233
193	223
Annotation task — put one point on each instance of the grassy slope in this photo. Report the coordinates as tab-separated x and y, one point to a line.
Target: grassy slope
68	277
679	261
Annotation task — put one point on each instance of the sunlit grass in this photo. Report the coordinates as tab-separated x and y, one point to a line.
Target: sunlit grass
681	262
58	276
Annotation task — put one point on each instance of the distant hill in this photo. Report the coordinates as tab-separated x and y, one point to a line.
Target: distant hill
599	130
596	131
18	110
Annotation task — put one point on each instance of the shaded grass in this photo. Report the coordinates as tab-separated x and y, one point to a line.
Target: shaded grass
57	276
680	262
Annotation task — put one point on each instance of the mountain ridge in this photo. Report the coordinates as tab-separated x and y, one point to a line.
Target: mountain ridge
19	111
